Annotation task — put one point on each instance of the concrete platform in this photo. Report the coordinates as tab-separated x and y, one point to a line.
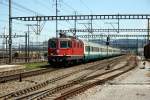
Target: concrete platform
134	85
10	67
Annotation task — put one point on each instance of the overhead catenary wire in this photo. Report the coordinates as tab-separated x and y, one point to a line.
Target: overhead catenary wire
68	6
82	2
19	10
24	8
44	5
29	10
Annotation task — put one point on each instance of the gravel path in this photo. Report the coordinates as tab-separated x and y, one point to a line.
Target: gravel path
10	67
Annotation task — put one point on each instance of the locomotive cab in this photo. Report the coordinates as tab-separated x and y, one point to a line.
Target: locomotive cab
64	50
59	47
57	50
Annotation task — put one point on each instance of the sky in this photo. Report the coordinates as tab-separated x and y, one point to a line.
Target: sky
68	7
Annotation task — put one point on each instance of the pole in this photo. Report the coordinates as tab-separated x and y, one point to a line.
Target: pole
3	43
19	48
91	24
118	23
148	32
28	42
107	43
6	46
75	25
107	51
4	39
56	18
10	33
137	47
26	47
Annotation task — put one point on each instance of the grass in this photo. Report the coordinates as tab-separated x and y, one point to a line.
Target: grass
35	65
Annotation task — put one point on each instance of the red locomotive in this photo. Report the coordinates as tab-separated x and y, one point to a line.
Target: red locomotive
65	49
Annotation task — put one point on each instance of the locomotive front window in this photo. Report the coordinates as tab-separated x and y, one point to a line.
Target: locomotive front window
65	44
52	44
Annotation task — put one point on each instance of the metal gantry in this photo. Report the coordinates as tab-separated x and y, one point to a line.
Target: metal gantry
118	35
83	17
103	30
86	17
94	17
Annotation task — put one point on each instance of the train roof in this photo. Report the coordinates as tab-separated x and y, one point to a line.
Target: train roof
60	38
91	43
97	45
86	43
66	38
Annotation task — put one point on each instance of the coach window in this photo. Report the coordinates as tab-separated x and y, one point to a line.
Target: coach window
99	49
87	48
92	49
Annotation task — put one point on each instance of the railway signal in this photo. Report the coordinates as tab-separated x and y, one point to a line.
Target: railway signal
108	40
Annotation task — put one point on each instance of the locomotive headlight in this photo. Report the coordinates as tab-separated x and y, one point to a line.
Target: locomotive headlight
57	51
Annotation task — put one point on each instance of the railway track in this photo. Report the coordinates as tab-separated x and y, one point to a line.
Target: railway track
11	72
19	75
43	84
46	83
47	92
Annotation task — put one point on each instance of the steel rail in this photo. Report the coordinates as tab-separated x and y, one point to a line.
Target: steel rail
45	83
83	88
50	91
